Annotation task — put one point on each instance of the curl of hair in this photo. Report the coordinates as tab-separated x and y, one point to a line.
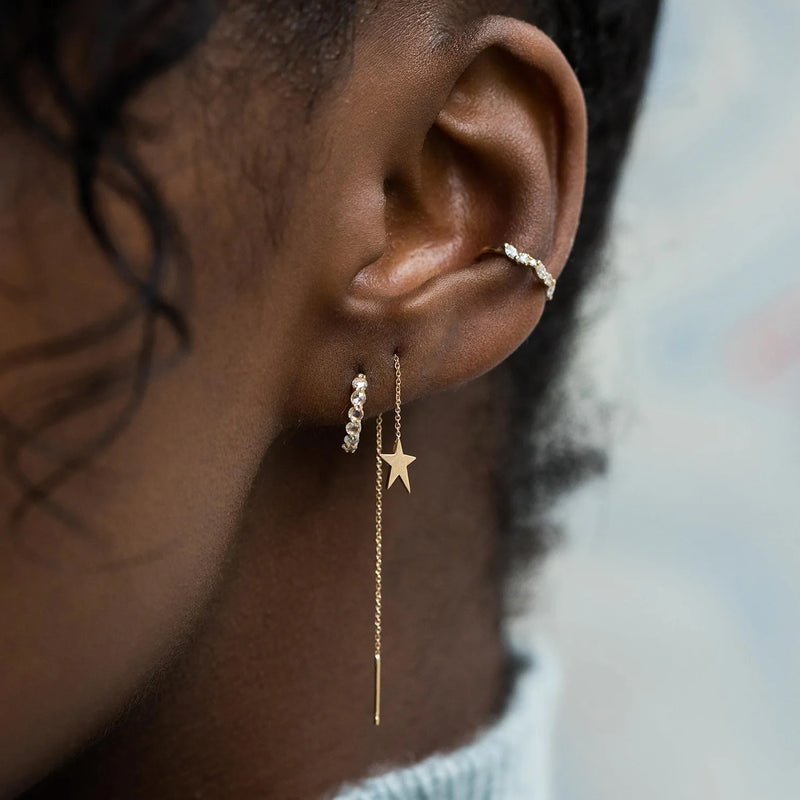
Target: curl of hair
132	43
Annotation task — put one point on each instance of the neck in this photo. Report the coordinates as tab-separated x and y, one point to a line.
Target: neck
272	695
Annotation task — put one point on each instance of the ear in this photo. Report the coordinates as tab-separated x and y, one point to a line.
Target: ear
447	151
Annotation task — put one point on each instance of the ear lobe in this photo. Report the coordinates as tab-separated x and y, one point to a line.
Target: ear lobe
503	162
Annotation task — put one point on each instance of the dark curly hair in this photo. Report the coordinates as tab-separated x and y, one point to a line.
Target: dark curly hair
128	43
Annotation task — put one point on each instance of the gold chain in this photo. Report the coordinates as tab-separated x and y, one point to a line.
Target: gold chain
397	397
379	529
378	562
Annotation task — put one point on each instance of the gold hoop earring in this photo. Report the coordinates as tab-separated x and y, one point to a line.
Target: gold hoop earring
526	260
399	462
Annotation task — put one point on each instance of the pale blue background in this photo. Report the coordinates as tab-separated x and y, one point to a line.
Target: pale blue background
675	608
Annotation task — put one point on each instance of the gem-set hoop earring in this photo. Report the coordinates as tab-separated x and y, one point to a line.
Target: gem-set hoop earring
355	414
541	271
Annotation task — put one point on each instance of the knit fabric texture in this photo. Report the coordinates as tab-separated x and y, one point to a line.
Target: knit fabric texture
507	761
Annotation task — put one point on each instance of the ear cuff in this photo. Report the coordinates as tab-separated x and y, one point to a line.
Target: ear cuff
526	260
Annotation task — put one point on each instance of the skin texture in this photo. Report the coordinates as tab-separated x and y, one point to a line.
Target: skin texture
222	590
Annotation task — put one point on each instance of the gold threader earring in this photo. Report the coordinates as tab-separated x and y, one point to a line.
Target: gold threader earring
526	260
399	462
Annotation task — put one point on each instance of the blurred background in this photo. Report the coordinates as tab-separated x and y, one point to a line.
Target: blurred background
674	606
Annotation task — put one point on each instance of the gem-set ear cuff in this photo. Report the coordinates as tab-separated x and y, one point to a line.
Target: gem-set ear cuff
512	252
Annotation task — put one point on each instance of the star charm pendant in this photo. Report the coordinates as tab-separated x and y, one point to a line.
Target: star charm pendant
399	462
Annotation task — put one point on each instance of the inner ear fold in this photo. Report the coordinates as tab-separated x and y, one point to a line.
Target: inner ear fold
504	161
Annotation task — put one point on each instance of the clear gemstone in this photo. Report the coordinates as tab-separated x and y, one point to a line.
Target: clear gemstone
359	382
511	251
356	414
526	259
353	428
358	398
551	290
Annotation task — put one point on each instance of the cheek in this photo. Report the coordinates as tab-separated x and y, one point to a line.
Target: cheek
88	612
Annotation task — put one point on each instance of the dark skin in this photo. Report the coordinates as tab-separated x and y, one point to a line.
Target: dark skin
226	592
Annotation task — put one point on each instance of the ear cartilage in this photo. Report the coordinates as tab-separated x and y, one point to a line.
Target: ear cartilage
526	260
355	414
